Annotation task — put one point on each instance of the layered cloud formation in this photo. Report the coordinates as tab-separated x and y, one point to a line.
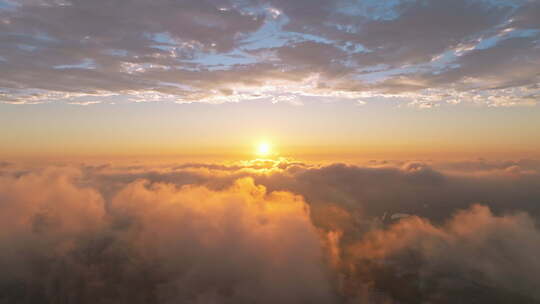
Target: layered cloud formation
270	232
421	53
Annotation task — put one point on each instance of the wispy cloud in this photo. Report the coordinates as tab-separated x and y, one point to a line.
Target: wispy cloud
484	52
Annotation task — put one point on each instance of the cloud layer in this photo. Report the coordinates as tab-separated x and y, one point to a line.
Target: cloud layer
270	232
422	53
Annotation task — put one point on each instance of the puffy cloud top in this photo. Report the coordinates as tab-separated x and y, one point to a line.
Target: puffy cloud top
270	232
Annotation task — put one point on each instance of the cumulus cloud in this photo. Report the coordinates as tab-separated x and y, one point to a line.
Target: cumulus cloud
475	257
478	51
167	243
270	232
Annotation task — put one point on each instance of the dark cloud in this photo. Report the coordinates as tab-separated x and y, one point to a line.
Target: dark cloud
426	29
218	51
475	257
488	68
271	232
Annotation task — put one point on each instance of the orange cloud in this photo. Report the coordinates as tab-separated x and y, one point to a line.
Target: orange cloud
282	232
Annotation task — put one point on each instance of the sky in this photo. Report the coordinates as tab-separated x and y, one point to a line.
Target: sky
324	79
269	151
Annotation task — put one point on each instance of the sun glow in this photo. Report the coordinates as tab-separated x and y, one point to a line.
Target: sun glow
263	149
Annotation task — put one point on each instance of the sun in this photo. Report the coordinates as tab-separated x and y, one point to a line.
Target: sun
263	149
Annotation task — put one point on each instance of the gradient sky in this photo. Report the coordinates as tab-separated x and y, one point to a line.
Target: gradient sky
373	79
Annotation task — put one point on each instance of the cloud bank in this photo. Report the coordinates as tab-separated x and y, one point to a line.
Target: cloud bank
270	232
420	53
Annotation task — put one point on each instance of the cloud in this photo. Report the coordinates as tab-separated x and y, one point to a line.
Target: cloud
270	231
425	53
156	242
475	255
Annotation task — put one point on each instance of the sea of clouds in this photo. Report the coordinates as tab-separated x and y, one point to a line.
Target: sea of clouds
267	231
